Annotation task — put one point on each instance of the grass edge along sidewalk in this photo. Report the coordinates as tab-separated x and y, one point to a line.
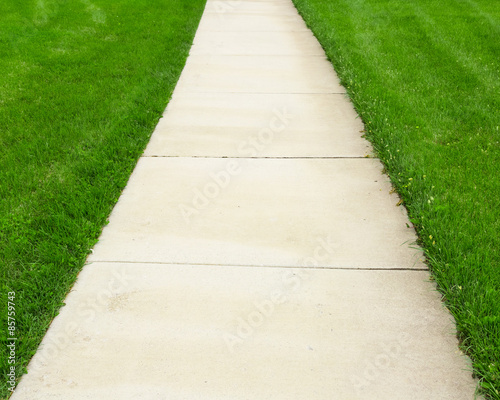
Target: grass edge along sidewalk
424	77
82	87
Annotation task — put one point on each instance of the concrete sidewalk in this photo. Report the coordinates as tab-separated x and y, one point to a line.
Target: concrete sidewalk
256	253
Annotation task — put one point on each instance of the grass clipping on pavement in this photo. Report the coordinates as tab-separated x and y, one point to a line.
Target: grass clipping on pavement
425	78
82	86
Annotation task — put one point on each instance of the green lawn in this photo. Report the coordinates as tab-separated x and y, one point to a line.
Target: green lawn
82	85
425	77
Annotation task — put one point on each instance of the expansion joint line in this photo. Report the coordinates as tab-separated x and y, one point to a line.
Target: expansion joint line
326	267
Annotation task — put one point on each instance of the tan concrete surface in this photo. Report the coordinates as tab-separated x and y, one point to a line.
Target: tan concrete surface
258	74
229	7
247	22
242	125
259	212
145	331
291	277
292	43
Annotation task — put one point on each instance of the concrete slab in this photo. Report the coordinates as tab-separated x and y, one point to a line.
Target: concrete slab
259	212
292	43
146	331
278	125
228	7
235	3
235	22
258	74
